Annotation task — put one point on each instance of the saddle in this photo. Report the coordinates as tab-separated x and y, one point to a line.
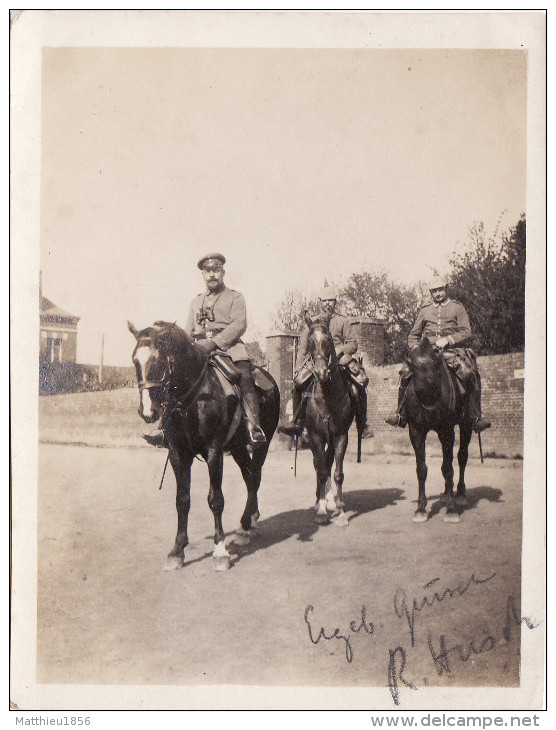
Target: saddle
453	384
354	369
229	376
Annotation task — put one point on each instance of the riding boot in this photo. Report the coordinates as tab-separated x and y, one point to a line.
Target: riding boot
478	423
361	414
158	439
296	424
250	405
398	418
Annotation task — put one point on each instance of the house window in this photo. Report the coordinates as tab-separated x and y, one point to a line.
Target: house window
54	349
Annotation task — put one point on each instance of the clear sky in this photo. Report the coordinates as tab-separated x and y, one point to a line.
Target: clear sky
297	164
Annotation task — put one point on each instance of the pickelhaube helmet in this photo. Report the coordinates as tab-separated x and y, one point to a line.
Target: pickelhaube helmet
437	282
328	292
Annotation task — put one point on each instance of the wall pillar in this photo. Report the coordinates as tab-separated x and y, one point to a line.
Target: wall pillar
281	349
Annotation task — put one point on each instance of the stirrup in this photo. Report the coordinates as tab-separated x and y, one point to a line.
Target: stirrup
367	432
156	439
294	428
256	435
395	419
480	424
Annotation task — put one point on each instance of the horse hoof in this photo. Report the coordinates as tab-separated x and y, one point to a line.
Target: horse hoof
461	500
254	530
221	564
173	563
420	516
442	499
242	538
340	520
322	519
451	517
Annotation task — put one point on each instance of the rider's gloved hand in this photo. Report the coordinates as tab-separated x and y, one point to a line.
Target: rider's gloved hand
442	342
207	345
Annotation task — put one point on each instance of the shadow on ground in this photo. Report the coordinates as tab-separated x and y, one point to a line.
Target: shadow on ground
474	497
300	523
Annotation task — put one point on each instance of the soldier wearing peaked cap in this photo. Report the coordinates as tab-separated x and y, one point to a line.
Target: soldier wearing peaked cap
211	256
216	320
345	345
446	324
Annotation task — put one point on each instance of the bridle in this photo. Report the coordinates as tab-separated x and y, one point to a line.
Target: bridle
163	382
182	401
444	374
311	365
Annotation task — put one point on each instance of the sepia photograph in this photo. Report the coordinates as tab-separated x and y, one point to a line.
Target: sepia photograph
279	423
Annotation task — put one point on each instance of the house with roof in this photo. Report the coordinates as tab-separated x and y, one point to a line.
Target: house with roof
57	332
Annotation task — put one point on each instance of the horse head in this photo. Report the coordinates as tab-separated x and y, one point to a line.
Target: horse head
321	347
150	358
425	363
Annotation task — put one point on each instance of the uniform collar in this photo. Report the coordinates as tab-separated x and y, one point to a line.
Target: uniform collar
215	293
442	304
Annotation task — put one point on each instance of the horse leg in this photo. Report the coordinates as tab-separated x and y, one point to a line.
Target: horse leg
251	473
418	439
322	474
215	461
465	433
329	491
447	438
340	519
182	470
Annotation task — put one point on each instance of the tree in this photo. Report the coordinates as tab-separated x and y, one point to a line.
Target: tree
488	278
291	312
373	294
255	353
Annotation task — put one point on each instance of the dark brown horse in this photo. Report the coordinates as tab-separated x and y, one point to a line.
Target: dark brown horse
434	403
178	385
329	414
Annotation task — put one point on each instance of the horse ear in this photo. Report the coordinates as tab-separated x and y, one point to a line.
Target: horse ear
326	320
165	330
308	320
134	331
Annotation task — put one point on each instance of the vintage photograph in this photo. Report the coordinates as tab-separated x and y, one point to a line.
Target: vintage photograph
285	393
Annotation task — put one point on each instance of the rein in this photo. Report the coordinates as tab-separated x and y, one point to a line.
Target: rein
182	401
309	363
185	400
451	392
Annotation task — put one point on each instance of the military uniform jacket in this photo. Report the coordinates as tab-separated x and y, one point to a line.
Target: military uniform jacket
342	336
230	317
448	319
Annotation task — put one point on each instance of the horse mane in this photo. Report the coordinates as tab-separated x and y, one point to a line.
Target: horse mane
424	355
173	338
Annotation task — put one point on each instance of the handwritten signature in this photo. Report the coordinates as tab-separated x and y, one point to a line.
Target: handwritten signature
346	637
401	606
444	653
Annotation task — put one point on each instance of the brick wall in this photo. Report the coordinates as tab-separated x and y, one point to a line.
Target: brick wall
370	339
502	381
280	355
281	351
109	418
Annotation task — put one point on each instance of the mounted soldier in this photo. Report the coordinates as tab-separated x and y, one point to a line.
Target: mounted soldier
345	345
216	321
445	323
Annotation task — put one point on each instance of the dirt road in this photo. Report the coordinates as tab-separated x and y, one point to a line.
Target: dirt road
302	605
